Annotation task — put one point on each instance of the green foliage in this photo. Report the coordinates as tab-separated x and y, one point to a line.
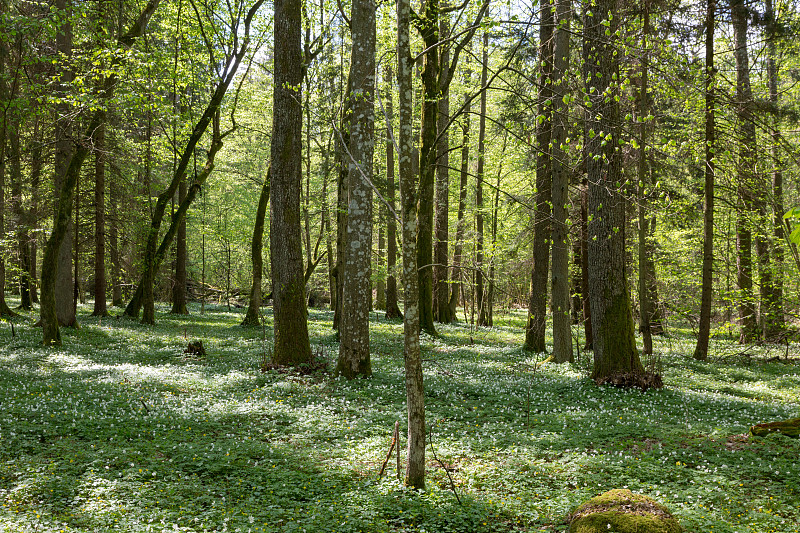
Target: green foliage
794	213
123	431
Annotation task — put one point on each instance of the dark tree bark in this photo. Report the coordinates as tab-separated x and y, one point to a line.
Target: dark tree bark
179	287
645	305
537	308
428	25
354	360
462	200
4	127
100	308
479	281
292	345
775	323
342	164
614	341
562	330
253	315
745	185
113	248
415	396
706	291
392	308
65	309
441	289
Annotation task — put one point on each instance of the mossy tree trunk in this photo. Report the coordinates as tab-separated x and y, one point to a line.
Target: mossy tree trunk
292	345
614	341
253	315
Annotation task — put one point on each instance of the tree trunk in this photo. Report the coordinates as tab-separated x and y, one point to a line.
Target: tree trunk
775	320
706	291
113	248
415	398
643	111
392	309
614	341
537	308
65	310
253	315
562	330
33	212
292	345
343	164
441	292
462	200
429	29
745	177
100	308
179	288
479	296
4	127
354	360
587	314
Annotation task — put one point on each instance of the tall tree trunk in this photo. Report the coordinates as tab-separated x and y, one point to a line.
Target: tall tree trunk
17	210
4	127
33	212
100	308
495	215
462	199
775	320
479	289
392	308
614	341
65	309
253	315
745	175
586	308
562	330
537	308
643	111
429	29
343	164
441	292
113	247
292	345
706	291
354	360
415	398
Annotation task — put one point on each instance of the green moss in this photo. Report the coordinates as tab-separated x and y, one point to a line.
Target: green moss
621	511
790	428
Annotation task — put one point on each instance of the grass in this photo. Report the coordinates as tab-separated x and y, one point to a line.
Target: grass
119	430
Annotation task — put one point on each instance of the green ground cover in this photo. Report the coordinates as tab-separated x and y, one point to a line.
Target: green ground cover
120	430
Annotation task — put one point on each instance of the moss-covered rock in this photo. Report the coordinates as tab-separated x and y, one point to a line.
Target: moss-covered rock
622	511
790	428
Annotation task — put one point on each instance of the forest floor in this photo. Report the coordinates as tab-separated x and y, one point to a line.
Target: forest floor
120	430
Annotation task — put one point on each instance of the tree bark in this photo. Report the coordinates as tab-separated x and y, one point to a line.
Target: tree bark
179	288
292	345
775	320
100	307
65	310
253	315
562	330
614	341
415	398
462	200
745	177
392	309
343	164
479	289
441	290
354	360
706	291
645	304
537	308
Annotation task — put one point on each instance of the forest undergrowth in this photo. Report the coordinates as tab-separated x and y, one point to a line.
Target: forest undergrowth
120	430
